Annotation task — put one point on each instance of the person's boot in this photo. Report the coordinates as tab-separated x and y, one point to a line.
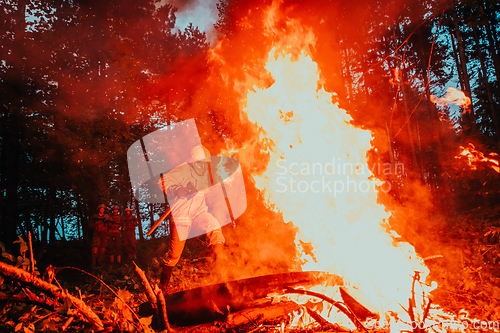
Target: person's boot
119	260
166	274
218	262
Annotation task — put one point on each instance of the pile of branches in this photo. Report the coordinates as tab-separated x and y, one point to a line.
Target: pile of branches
47	306
31	302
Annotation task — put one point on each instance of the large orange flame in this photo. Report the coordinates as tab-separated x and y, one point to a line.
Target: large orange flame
318	177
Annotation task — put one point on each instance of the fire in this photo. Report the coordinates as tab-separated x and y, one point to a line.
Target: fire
453	96
475	156
318	175
318	178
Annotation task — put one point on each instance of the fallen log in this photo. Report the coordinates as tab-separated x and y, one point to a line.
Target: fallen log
200	305
83	311
252	317
261	314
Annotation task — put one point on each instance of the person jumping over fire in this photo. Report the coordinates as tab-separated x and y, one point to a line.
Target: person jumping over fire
186	186
99	226
114	233
130	222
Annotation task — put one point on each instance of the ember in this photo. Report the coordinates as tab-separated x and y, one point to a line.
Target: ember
453	96
474	157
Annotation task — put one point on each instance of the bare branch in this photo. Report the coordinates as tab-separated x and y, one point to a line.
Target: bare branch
23	276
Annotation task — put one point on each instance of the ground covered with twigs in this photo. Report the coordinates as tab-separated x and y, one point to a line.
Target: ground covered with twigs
65	288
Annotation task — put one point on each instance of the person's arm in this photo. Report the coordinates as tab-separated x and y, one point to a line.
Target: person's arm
173	182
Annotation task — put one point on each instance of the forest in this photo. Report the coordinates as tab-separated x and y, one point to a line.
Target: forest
82	80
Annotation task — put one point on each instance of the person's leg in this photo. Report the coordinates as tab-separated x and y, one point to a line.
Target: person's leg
211	226
102	252
174	253
118	248
132	247
129	244
103	247
207	222
111	249
95	251
93	258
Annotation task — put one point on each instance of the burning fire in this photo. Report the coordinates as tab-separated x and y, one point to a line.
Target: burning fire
453	96
475	156
317	176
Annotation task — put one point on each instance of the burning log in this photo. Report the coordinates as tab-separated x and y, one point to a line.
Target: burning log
345	310
83	311
253	317
262	314
322	321
200	305
358	309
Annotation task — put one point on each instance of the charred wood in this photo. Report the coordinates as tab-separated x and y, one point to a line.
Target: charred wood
196	306
356	307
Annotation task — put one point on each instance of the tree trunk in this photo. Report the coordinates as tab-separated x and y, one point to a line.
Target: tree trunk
44	225
469	117
151	219
3	129
423	66
395	179
80	215
52	214
11	152
11	141
492	40
137	214
492	47
416	165
486	83
63	229
457	62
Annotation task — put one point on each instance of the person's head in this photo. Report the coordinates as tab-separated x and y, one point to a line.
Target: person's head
101	208
199	153
115	210
128	211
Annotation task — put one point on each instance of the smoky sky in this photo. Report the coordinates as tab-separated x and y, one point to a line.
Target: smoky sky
201	13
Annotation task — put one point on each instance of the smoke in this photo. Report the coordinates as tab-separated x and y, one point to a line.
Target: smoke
201	13
216	99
